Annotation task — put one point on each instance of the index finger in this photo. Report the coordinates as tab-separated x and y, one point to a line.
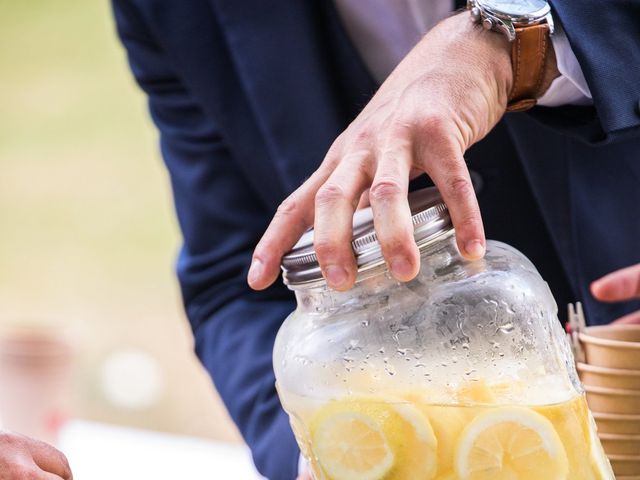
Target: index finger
620	285
292	218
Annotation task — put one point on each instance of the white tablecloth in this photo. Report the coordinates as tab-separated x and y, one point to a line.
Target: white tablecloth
105	452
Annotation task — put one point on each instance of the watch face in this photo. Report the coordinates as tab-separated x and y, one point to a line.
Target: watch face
517	8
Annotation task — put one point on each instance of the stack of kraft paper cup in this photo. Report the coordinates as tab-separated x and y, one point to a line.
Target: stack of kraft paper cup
611	377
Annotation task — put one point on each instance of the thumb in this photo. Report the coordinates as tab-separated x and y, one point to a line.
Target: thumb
618	286
631	319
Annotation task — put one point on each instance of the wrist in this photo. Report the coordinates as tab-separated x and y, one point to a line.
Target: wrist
489	52
528	26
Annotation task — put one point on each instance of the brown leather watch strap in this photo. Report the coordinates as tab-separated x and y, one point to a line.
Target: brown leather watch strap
528	56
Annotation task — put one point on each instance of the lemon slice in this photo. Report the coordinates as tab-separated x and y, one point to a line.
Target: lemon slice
481	392
352	445
447	422
473	393
511	443
369	439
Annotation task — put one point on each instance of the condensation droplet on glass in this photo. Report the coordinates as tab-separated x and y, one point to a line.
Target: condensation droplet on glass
364	323
507	327
397	331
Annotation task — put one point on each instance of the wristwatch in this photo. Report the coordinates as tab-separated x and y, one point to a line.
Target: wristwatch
528	25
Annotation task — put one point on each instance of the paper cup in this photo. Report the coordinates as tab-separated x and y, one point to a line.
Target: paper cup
34	380
625	464
613	400
595	376
620	444
617	424
612	346
620	333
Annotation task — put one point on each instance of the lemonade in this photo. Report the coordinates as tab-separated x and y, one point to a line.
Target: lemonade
406	438
463	373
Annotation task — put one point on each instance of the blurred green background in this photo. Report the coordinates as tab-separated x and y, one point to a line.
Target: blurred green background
87	230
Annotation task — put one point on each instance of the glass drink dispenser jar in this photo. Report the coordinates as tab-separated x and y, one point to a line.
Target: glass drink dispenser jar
463	373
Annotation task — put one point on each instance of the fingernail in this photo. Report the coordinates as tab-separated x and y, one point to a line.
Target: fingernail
401	267
255	271
474	249
336	275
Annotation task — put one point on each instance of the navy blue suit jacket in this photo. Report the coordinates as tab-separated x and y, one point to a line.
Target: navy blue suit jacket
248	96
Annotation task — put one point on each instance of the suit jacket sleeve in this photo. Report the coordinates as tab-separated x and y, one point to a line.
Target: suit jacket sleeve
605	37
221	219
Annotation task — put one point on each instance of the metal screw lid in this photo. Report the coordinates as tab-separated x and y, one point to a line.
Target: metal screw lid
430	218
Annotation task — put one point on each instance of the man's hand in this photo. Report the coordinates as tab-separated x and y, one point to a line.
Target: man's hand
619	286
22	458
305	476
446	95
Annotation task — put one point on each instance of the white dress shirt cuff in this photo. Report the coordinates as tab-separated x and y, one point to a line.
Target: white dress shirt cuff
570	88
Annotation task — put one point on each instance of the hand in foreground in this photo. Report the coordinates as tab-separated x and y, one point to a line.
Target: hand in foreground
619	286
23	458
446	95
305	476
